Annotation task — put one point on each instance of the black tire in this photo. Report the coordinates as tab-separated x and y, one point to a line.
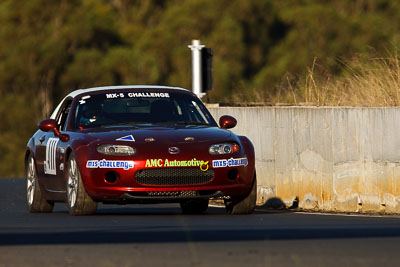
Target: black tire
243	205
78	201
34	196
194	206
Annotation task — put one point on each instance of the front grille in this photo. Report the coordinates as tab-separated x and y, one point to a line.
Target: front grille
173	176
154	195
173	194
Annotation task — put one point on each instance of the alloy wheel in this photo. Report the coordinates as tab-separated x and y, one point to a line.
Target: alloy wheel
31	182
72	183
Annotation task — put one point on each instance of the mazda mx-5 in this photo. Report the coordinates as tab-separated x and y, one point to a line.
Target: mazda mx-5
138	144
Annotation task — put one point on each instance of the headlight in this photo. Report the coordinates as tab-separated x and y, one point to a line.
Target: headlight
116	150
225	148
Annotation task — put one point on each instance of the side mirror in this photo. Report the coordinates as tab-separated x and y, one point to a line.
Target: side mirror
227	122
47	125
50	125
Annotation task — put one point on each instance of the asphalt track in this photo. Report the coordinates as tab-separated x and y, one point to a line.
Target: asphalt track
159	235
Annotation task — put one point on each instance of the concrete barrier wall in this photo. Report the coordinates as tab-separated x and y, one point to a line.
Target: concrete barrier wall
333	159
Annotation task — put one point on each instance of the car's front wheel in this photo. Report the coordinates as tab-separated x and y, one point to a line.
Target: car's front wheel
194	206
78	201
34	196
245	204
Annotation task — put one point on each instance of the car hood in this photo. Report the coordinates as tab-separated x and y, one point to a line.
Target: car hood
159	134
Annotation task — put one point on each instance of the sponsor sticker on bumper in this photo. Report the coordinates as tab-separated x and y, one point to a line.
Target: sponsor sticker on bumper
119	164
219	163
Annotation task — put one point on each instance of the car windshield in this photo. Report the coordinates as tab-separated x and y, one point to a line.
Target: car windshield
127	108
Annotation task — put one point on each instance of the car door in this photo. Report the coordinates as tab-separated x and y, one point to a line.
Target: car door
50	152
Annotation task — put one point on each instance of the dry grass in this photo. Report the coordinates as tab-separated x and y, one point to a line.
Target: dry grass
365	82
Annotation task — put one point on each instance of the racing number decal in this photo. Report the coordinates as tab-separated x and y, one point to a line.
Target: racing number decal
50	163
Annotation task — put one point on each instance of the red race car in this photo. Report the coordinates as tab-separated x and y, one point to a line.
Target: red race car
138	144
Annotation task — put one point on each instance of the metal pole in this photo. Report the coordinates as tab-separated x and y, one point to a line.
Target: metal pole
196	67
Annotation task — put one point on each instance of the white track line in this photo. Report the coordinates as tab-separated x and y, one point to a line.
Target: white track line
347	215
328	214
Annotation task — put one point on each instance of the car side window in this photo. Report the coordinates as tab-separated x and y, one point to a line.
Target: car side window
62	116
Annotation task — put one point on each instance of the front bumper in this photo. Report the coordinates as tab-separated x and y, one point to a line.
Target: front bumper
225	182
153	197
132	179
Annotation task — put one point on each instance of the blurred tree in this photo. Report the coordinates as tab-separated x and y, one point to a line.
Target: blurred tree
48	48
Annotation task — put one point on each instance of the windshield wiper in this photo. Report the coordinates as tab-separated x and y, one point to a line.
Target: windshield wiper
154	123
124	124
192	123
